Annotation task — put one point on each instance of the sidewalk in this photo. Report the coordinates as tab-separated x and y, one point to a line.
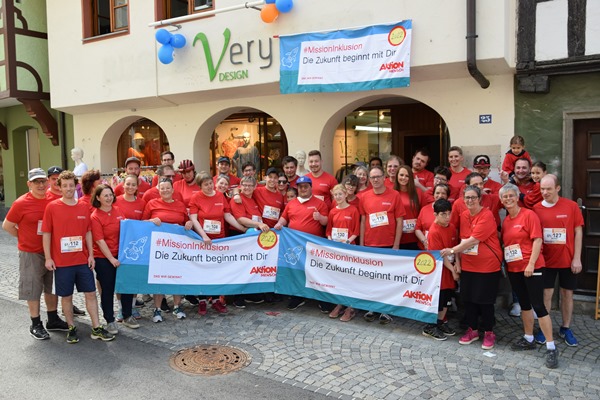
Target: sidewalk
306	349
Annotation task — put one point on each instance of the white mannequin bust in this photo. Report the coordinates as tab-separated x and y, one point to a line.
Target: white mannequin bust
301	157
77	157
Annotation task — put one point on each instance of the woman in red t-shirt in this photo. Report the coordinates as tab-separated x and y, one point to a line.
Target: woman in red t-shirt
106	225
362	173
411	200
480	258
426	217
129	203
522	238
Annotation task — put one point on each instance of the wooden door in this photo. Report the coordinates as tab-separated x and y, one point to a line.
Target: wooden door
586	186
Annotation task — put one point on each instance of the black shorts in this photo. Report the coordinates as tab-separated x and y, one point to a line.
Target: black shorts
530	291
445	298
479	288
566	278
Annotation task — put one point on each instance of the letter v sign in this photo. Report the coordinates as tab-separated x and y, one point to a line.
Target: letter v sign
212	70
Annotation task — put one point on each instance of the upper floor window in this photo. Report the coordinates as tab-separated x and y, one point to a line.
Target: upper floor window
102	17
166	9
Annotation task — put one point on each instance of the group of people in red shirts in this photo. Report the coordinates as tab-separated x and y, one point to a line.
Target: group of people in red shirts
392	205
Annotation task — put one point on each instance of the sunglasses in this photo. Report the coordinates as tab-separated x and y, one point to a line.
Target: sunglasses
282	182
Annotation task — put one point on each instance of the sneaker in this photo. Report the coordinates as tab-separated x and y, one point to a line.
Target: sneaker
384	319
219	307
102	334
567	335
139	303
369	316
239	303
552	358
336	312
146	298
119	316
202	307
539	337
193	300
136	313
523	344
489	339
131	322
179	313
112	328
157	316
38	332
77	312
348	314
295	302
57	325
165	306
515	311
446	329
255	299
434	332
325	308
469	337
72	335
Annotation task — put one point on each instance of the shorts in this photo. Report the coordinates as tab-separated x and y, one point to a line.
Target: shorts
34	278
479	288
566	278
445	298
80	276
530	291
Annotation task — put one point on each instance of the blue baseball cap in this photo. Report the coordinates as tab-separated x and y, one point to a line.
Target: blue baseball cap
304	179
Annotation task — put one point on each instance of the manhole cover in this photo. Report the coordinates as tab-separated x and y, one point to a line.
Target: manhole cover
209	359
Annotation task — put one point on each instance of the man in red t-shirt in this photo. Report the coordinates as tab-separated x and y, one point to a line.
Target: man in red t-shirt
290	166
166	158
322	182
562	230
163	171
133	166
187	186
53	188
481	165
69	252
530	191
423	177
224	168
23	221
269	199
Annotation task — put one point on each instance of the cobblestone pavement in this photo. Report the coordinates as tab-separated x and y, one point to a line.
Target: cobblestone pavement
362	360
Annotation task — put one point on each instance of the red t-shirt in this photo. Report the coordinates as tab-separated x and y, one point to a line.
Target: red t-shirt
485	256
211	209
456	182
292	182
300	215
443	238
489	201
153	193
131	209
354	202
558	228
380	212
270	204
248	209
176	178
186	191
322	186
233	180
517	235
87	200
425	177
508	165
107	226
492	185
69	225
529	192
143	187
409	223
389	183
424	221
53	196
346	221
27	212
428	196
171	213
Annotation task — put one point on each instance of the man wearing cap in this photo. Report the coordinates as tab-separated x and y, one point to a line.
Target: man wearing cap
481	165
290	167
166	158
133	166
23	221
53	188
224	168
306	213
187	186
423	177
322	182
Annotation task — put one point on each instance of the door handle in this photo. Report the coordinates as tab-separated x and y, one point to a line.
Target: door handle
580	204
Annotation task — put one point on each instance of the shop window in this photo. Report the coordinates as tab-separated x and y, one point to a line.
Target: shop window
143	139
104	17
166	9
255	138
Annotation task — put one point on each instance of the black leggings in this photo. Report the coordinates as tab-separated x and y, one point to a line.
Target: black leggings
472	312
106	274
530	291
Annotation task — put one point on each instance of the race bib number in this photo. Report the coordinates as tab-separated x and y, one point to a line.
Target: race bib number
212	226
339	234
408	225
555	236
271	213
378	219
256	218
513	253
71	244
39	228
473	250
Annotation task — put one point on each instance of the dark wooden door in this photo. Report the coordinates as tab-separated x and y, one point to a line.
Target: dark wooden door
586	187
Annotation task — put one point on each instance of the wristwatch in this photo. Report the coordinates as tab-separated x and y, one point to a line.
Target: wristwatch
451	251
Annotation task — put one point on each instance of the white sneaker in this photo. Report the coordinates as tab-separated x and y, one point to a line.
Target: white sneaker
178	313
157	317
515	311
131	322
112	328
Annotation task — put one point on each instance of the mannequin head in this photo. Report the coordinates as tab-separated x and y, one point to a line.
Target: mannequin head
301	157
76	154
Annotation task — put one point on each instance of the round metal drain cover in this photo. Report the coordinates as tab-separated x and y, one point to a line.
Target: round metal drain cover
209	359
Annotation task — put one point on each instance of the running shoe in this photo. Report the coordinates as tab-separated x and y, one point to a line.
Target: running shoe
384	319
369	316
489	340
219	307
119	316
539	337
178	312
131	322
57	325
523	344
112	328
202	307
515	311
446	329
38	332
239	303
567	335
77	312
348	314
552	358
72	335
102	334
469	337
295	302
193	300
136	313
165	306
434	332
157	316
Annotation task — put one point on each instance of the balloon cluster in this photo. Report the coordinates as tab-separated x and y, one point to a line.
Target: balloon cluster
169	42
272	8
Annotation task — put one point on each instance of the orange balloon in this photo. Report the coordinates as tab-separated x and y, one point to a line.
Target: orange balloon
269	13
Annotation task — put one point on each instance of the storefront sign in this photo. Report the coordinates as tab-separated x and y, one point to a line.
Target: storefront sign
376	57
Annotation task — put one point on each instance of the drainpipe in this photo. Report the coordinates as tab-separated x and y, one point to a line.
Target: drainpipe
471	48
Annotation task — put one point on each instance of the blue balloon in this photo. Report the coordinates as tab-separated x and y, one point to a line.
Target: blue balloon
177	41
163	36
270	1
284	5
165	54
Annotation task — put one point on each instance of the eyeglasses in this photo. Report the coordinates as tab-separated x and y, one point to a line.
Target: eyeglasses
375	177
247	185
39	182
468	198
282	182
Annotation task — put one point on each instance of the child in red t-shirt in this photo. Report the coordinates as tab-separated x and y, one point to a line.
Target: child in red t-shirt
442	234
517	151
